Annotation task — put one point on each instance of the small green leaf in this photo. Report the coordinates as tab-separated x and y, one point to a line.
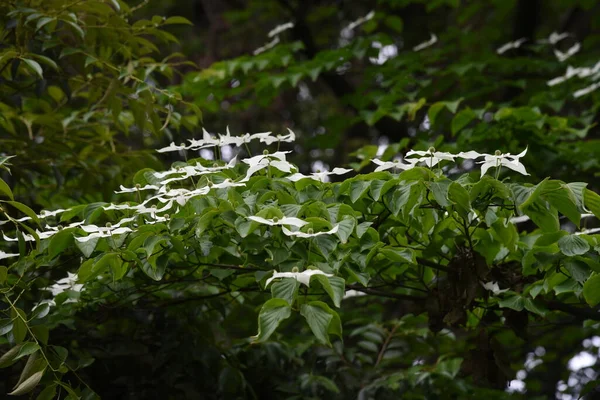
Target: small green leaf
322	320
19	327
358	189
27	349
399	255
591	290
87	247
3	274
34	66
271	314
334	286
286	289
60	242
48	393
514	302
25	210
592	201
460	197
177	20
28	385
573	245
4	188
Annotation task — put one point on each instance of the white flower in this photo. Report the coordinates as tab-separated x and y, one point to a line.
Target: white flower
30	238
279	221
68	283
511	45
267	46
571	51
429	157
234	140
280	28
267	139
493	287
555	37
426	44
586	90
4	255
45	213
172	147
260	136
302	277
135	189
318	176
104	232
309	234
351	26
505	160
262	161
385	165
353	293
227	183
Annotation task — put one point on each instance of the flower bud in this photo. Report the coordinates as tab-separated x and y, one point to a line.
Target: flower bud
265	152
310	231
275	219
137	186
497	153
431	149
295	270
108	225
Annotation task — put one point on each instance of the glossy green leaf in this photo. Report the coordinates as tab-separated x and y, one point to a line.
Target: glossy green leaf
271	314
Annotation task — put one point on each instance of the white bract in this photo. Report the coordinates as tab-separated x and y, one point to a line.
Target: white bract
493	287
318	176
510	45
267	139
309	234
68	283
104	232
302	277
385	165
566	55
262	161
279	221
135	189
505	160
280	28
430	157
433	40
4	255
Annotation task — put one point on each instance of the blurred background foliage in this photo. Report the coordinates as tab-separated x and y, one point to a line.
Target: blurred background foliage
89	88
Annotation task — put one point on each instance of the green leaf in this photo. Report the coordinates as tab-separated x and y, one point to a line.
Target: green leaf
579	270
177	20
334	286
25	210
27	349
440	191
87	247
461	120
19	327
28	385
59	242
460	197
40	311
591	290
515	302
399	255
573	245
8	358
358	189
286	289
592	202
3	274
345	228
322	320
563	199
48	393
4	188
271	314
34	66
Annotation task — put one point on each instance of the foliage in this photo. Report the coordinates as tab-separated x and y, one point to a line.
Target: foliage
439	272
439	245
79	96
